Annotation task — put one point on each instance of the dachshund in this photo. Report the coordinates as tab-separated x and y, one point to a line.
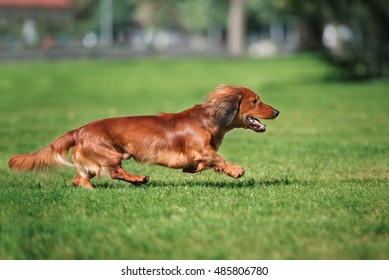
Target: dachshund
187	140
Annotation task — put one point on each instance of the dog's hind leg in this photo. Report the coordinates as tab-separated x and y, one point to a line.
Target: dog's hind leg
117	172
90	160
113	162
86	169
83	181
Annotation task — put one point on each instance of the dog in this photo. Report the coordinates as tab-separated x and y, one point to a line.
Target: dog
187	140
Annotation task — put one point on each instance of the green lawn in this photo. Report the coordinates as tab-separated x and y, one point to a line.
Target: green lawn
316	183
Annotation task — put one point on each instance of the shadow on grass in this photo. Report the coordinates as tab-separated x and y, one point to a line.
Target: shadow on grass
240	183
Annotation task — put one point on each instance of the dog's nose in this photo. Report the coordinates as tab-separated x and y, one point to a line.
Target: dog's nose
276	112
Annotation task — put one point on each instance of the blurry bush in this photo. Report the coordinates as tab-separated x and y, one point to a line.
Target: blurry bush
363	39
355	37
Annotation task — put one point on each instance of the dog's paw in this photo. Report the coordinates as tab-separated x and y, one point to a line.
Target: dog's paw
236	172
140	180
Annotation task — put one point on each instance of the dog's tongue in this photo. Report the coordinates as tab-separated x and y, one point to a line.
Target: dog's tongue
256	123
261	126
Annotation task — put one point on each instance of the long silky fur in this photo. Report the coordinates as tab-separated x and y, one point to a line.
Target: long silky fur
51	156
224	102
187	140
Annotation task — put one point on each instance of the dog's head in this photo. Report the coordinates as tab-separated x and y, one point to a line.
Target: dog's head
240	107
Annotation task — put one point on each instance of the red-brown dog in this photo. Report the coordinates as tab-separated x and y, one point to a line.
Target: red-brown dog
187	140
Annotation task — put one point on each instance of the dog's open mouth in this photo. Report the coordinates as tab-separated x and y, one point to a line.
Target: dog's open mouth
255	124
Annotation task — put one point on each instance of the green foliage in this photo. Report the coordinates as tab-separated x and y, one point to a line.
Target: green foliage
202	15
316	182
364	56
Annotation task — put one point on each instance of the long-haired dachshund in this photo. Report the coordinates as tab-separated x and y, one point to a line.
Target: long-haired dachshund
188	140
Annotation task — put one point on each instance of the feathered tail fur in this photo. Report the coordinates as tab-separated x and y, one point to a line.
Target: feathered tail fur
53	155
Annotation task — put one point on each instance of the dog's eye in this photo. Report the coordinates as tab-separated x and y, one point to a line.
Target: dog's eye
255	101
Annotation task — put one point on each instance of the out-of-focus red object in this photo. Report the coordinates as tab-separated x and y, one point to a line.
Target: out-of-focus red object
58	4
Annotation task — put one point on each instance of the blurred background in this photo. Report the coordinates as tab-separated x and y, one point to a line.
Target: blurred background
352	35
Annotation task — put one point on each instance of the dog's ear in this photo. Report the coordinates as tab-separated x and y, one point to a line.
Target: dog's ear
228	109
225	102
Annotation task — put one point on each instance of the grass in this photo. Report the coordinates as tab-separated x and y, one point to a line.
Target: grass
316	183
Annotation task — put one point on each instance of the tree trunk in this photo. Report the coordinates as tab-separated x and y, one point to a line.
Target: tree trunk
106	23
236	28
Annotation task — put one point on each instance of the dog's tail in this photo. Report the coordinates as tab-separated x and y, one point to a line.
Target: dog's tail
53	155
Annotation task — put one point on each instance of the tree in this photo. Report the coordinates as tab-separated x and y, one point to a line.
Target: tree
236	28
367	55
364	54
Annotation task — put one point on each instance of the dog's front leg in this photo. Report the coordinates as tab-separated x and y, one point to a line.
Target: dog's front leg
211	159
230	169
